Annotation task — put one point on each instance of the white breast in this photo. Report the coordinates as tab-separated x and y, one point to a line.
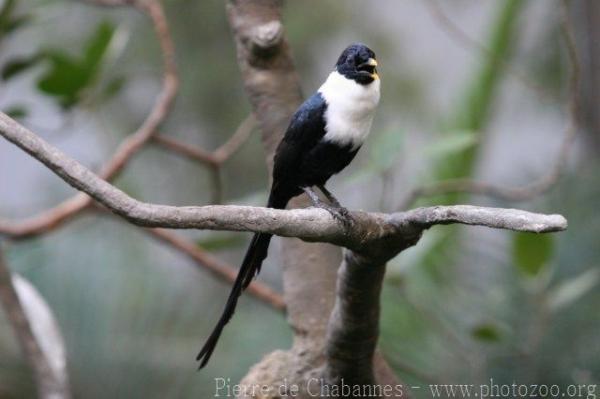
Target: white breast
350	109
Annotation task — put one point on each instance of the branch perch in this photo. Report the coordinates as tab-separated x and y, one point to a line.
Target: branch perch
308	224
374	238
57	215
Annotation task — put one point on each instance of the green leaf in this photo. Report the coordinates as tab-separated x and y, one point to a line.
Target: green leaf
16	23
17	112
64	79
531	252
475	105
486	332
385	149
8	22
571	290
472	114
68	76
452	143
6	13
479	98
97	47
19	65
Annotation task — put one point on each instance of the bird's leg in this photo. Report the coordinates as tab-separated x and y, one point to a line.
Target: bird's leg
331	198
314	198
336	210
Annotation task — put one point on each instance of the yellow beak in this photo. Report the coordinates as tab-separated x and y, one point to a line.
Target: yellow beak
373	62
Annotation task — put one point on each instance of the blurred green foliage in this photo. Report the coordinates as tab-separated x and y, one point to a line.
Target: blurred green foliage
16	112
486	332
382	156
516	309
475	105
531	252
67	77
452	145
9	21
464	131
16	66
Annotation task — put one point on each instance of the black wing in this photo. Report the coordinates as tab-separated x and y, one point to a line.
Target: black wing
305	130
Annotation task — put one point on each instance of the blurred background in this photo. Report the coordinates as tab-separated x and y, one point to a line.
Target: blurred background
470	89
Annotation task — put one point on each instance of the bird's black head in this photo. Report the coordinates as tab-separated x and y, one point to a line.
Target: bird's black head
358	63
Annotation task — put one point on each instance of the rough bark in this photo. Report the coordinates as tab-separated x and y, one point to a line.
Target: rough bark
309	270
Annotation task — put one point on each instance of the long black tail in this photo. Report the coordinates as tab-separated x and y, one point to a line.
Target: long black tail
255	255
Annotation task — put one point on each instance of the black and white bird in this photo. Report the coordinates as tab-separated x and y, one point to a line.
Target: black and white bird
323	137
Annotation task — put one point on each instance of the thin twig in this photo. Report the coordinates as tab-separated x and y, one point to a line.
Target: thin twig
241	135
208	158
53	217
216	266
216	177
213	160
197	154
49	386
544	183
213	264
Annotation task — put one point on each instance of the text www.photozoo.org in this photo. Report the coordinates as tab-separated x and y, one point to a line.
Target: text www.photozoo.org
318	388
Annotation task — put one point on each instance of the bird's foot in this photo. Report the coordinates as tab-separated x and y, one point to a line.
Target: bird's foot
340	213
336	210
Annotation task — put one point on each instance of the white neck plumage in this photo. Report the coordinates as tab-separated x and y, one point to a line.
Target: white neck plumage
350	109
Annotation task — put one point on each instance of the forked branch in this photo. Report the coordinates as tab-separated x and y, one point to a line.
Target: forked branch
307	224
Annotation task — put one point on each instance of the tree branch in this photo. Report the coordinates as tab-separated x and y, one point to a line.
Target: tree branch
62	213
239	137
308	224
374	238
54	217
213	160
196	154
354	323
216	266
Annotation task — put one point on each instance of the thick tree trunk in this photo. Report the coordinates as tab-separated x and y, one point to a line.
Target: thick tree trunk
587	15
309	270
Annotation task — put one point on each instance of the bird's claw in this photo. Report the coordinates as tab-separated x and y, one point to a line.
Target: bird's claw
335	209
339	213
